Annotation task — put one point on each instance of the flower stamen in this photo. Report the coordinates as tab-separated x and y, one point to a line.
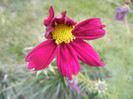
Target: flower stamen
63	34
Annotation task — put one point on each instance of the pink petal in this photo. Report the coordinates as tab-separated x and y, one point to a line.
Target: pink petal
31	65
69	21
77	89
50	17
59	19
49	29
41	56
67	61
86	53
89	29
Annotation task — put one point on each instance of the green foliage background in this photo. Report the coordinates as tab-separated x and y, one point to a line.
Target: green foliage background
21	25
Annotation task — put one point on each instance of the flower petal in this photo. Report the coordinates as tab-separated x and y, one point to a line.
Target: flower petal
122	15
41	56
59	19
67	61
50	17
69	21
86	53
89	29
117	16
31	65
49	29
121	10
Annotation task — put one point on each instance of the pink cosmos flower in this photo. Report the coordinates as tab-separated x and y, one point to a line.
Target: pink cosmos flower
66	40
121	11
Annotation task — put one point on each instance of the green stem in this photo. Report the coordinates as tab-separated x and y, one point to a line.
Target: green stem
84	79
127	26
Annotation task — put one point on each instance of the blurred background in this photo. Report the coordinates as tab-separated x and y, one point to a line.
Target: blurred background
21	26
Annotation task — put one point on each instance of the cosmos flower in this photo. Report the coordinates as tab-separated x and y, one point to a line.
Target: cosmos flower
121	12
66	40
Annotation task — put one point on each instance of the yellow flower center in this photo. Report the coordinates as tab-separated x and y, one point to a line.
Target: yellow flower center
63	33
